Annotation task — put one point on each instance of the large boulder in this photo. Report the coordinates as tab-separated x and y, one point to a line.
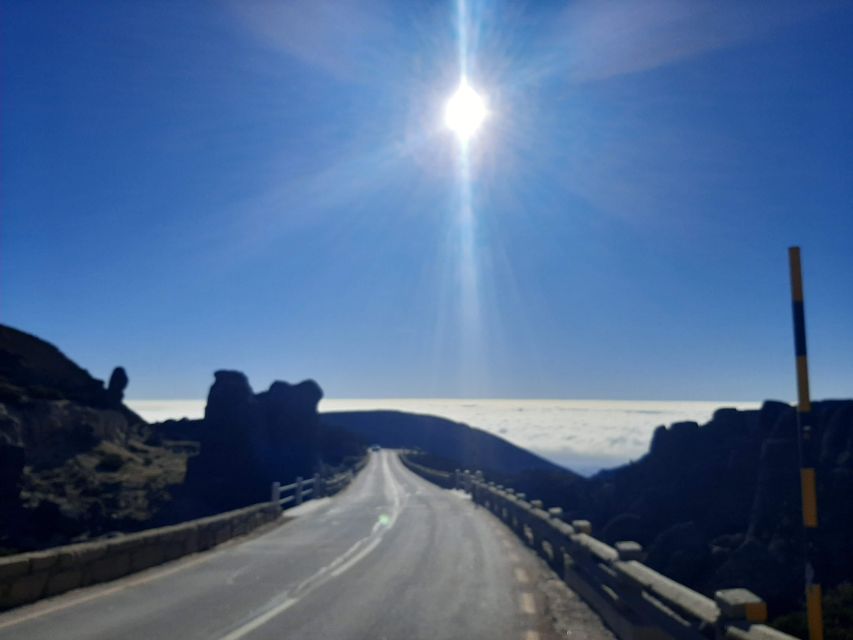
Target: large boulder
248	441
292	427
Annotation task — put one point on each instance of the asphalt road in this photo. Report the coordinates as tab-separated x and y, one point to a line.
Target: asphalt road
391	557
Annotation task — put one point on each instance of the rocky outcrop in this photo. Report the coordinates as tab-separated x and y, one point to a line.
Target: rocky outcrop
75	462
247	441
289	413
73	458
117	385
719	505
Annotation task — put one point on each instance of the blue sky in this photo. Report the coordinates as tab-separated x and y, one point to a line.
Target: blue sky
269	187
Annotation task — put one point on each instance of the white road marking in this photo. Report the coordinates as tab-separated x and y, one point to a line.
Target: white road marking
340	565
261	619
531	635
526	603
513	557
349	564
521	576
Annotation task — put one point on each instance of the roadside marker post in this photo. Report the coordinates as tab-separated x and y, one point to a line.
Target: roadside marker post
808	451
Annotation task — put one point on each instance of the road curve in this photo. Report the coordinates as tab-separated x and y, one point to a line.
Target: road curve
391	557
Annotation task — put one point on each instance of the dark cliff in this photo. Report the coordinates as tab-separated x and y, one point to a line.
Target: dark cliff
248	440
719	505
74	460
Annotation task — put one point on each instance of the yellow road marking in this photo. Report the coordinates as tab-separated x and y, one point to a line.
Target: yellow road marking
526	603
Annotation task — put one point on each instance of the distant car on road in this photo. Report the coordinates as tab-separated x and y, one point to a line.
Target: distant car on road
375	447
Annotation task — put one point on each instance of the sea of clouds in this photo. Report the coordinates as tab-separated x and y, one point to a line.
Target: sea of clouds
583	435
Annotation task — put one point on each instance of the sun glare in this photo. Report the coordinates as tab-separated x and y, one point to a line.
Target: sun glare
465	112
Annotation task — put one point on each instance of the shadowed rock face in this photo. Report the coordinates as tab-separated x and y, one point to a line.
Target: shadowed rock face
719	506
248	441
75	462
73	458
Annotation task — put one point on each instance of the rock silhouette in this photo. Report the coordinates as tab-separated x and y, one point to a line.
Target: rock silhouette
719	505
75	462
117	385
247	441
75	453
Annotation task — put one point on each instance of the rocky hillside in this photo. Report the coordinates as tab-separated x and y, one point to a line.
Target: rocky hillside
76	463
719	505
74	460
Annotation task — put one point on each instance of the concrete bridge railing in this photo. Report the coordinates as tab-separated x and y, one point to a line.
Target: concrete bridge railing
443	479
634	600
318	486
28	577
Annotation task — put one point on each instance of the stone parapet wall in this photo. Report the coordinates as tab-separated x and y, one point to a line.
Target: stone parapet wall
441	478
28	577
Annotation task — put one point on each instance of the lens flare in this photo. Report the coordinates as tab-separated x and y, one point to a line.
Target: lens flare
465	111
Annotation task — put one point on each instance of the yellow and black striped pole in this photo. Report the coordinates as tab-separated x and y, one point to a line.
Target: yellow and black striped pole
808	450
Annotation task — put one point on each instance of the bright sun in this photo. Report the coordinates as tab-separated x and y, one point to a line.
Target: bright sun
465	112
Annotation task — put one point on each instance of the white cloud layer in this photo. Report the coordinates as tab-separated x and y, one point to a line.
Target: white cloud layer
583	435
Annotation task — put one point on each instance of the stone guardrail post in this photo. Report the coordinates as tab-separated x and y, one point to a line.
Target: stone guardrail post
318	491
557	542
298	494
739	606
516	523
275	493
582	526
630	550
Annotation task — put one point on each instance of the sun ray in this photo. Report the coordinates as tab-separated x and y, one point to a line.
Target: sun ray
465	112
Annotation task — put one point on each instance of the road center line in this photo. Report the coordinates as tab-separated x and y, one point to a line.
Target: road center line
340	565
521	575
